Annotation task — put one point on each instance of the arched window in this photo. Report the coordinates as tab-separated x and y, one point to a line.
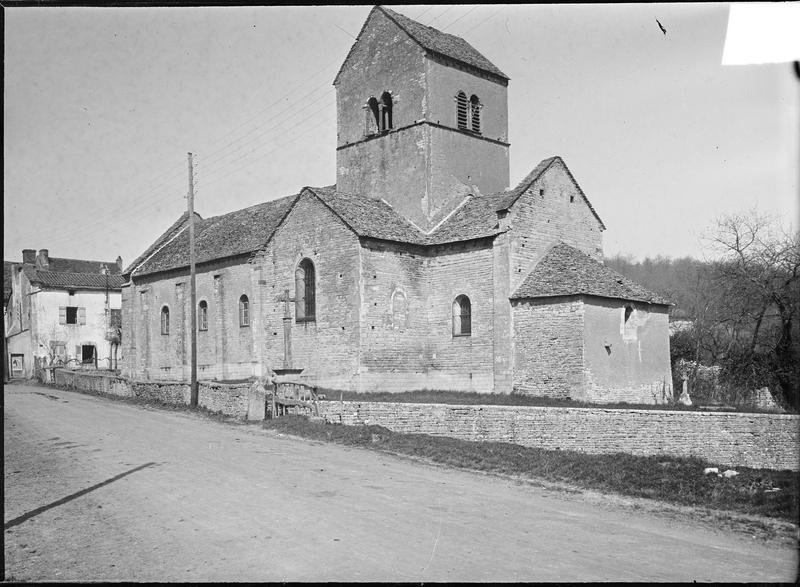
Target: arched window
461	110
202	315
304	291
462	316
164	320
475	113
385	108
244	311
373	118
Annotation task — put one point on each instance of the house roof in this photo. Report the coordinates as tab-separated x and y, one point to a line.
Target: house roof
74	274
239	232
64	280
60	265
565	271
433	41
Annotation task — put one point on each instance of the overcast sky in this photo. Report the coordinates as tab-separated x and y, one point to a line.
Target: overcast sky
103	104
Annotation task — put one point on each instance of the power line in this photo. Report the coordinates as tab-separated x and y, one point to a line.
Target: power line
216	173
460	17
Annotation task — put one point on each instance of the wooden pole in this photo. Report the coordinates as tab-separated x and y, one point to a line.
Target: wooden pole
192	292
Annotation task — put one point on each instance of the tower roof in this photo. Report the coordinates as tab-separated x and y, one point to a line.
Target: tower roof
434	41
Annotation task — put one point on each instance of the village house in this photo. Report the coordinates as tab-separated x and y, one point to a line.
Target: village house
63	311
419	268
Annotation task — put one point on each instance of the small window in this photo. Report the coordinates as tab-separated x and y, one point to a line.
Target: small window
628	312
72	315
462	316
385	109
304	291
164	320
372	116
244	311
70	292
475	113
202	316
461	110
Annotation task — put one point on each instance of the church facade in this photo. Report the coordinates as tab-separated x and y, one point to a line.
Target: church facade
420	268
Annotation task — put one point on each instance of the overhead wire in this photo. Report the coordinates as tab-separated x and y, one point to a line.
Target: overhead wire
152	200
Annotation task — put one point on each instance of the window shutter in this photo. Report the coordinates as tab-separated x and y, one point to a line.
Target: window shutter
81	315
62	314
78	356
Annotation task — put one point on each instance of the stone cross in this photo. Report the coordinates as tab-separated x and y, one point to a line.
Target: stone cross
287	329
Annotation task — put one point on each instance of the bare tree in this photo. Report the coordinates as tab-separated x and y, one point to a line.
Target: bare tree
757	278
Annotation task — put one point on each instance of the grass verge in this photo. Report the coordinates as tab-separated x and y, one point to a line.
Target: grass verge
503	399
676	480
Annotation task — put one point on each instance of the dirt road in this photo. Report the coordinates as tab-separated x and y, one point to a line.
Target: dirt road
103	490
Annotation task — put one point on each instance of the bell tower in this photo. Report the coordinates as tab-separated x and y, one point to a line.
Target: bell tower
422	119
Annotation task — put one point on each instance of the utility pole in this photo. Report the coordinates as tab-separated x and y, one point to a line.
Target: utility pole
192	291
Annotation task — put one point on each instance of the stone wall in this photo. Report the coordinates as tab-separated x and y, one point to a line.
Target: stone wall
727	439
626	360
407	337
767	441
229	399
548	348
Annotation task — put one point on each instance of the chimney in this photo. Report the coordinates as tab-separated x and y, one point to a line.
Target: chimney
43	260
119	264
29	256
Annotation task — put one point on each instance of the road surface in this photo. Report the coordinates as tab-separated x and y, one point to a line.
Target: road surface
102	490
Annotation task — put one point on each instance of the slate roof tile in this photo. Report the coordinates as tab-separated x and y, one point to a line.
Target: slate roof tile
227	235
180	224
370	217
445	44
565	270
434	41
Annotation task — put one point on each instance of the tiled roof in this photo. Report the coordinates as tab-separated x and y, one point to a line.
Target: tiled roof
476	218
67	280
59	265
176	227
370	217
231	234
435	41
565	270
250	229
513	195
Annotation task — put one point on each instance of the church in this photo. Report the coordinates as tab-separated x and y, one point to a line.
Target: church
420	268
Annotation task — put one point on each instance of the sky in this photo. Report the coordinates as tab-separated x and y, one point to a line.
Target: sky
102	105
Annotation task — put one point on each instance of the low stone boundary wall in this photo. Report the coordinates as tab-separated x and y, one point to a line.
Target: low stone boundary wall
229	399
768	441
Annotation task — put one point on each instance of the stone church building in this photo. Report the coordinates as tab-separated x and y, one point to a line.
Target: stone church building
420	268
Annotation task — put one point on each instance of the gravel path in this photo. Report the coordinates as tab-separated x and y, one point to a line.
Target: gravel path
103	490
